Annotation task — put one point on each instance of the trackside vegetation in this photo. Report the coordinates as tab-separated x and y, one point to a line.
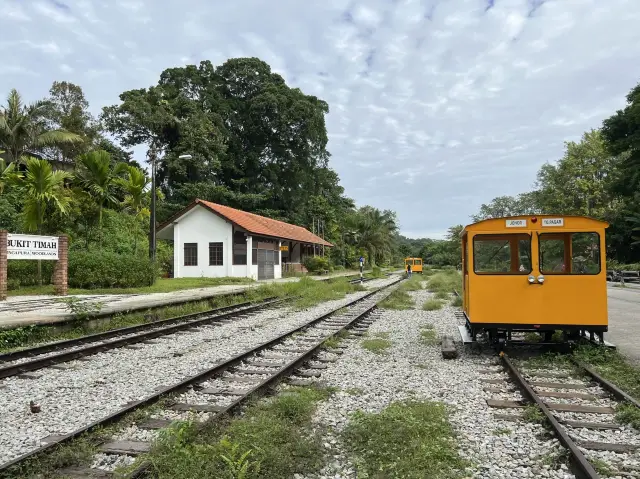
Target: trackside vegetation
408	439
271	439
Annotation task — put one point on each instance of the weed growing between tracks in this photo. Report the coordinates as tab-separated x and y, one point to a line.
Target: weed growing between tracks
409	439
376	345
432	305
77	452
428	335
270	440
445	282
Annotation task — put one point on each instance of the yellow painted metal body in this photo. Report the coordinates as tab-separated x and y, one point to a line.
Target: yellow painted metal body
416	264
564	297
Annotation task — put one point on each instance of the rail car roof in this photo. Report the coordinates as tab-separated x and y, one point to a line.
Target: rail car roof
571	222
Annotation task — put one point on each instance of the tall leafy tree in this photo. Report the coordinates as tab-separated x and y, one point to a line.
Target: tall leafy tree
523	204
135	185
97	175
580	183
23	130
248	132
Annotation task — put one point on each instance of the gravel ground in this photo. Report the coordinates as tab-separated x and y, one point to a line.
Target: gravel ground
411	369
94	388
105	341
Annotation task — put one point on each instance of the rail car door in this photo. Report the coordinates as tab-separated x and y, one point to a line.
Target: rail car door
498	292
569	278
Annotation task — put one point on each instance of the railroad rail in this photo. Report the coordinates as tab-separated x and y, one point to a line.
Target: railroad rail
561	398
252	369
68	350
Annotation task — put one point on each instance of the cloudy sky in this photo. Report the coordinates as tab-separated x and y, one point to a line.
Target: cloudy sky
436	105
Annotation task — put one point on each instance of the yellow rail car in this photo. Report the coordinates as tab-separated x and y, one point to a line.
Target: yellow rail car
416	264
534	273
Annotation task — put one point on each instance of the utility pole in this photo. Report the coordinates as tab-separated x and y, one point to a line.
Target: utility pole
152	154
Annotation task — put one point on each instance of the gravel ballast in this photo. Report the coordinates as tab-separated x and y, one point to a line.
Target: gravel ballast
410	369
103	383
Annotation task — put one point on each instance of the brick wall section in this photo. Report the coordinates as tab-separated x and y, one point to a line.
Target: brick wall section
60	273
3	265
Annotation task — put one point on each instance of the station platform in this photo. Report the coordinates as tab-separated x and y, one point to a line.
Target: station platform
18	311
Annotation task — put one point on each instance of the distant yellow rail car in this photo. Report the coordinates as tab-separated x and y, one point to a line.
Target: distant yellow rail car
416	264
534	273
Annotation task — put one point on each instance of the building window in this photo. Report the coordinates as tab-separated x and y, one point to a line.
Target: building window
254	256
215	254
276	257
191	254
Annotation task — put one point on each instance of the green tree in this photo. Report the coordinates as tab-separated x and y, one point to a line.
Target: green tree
135	185
375	231
248	132
23	130
523	204
580	183
7	173
96	175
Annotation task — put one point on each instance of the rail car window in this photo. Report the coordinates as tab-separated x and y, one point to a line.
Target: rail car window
502	254
569	253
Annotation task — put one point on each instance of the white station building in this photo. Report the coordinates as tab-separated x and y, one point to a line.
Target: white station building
212	241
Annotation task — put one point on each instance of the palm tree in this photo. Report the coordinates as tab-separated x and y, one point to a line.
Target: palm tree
23	132
375	232
94	173
42	188
7	173
135	186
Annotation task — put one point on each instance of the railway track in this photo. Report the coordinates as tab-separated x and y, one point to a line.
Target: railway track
31	359
221	388
579	405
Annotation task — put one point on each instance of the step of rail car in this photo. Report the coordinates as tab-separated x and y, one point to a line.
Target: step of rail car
465	335
587	334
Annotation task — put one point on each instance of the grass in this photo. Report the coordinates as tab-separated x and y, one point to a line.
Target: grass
408	439
554	459
628	414
376	345
271	439
162	285
613	366
532	413
308	292
398	300
428	335
601	467
456	301
501	431
332	342
442	295
432	305
445	282
77	452
354	391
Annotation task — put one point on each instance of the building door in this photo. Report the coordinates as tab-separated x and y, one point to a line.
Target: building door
265	264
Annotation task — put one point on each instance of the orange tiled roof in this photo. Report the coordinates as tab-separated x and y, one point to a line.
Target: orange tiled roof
261	225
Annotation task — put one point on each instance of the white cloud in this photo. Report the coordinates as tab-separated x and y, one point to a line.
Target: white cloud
435	106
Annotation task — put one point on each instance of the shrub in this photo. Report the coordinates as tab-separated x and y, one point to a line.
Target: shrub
314	264
106	269
25	273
